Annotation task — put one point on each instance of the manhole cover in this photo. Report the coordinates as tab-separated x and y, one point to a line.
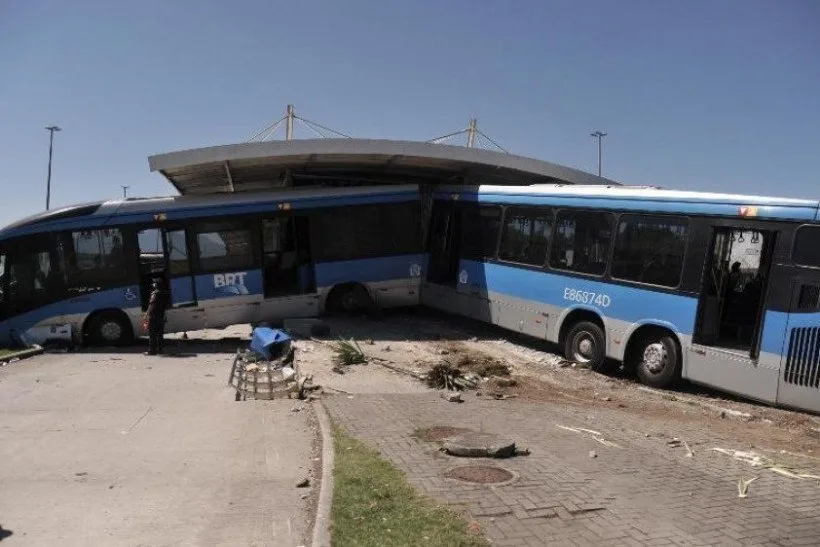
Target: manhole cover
439	433
481	474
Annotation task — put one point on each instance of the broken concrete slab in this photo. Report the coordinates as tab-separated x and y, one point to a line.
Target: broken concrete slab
479	445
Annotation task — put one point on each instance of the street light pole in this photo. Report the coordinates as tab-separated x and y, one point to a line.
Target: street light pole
51	129
125	192
599	135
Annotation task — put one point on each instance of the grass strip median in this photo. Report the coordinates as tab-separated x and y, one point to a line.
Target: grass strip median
373	504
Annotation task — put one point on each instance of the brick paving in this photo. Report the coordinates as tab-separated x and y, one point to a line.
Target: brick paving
639	492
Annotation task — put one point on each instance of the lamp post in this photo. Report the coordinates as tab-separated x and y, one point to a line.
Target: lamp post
125	192
599	135
51	129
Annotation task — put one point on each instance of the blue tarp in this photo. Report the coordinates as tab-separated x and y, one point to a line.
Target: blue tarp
270	343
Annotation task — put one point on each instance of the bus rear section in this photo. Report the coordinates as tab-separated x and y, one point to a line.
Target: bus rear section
225	260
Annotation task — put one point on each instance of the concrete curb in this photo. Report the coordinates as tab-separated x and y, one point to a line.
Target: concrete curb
321	527
20	355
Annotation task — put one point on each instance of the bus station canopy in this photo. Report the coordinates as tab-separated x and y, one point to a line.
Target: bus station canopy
339	162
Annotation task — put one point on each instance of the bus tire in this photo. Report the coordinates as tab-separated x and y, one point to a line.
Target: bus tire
657	360
585	345
110	328
350	299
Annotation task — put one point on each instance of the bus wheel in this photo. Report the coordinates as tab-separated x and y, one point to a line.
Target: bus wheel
584	344
350	299
657	360
110	329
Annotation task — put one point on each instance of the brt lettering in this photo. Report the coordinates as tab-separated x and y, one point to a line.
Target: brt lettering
224	280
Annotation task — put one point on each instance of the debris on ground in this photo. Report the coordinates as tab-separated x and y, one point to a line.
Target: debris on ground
481	364
719	410
304	483
592	454
479	445
757	460
267	369
595	435
446	376
452	397
348	352
743	486
411	345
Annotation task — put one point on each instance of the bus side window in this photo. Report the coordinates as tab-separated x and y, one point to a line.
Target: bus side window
581	242
806	250
525	236
650	249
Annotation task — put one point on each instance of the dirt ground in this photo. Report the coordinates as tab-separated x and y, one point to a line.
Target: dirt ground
411	343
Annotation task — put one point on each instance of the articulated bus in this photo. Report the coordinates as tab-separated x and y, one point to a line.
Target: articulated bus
83	272
722	290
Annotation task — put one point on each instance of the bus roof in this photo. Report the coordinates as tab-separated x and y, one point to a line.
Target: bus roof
142	210
643	198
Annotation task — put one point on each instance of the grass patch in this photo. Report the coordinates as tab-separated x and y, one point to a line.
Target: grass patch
348	353
4	352
374	505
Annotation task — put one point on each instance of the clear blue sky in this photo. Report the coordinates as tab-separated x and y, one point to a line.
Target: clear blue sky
698	94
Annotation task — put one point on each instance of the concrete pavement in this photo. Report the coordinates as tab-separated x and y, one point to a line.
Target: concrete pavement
125	449
636	488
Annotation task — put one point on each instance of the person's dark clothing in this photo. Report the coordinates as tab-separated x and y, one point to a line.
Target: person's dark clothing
156	320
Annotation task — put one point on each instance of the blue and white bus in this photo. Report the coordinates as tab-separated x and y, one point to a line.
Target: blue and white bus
84	271
723	290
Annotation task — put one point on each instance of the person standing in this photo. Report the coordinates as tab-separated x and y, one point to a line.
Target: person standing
155	318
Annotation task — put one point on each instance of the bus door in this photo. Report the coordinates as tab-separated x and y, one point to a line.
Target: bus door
288	270
725	348
443	246
444	239
164	254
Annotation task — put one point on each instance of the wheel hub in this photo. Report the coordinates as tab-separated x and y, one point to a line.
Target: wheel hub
111	330
654	357
584	348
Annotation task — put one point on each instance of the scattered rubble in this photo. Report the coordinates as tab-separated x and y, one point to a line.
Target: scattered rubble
446	376
452	397
268	369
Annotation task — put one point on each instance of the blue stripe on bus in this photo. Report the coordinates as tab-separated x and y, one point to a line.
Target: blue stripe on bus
631	304
660	206
119	298
367	270
615	301
175	212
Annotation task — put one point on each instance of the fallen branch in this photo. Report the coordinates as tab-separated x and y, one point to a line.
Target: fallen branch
392	366
756	460
595	435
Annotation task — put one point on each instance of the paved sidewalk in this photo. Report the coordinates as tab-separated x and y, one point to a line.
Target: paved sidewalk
102	449
640	492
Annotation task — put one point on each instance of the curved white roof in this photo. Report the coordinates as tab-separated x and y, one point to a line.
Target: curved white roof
262	165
